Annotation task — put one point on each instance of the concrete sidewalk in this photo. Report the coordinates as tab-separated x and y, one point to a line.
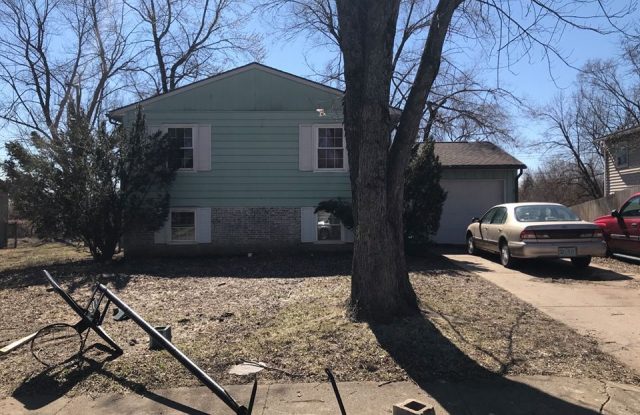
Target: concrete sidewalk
510	395
597	301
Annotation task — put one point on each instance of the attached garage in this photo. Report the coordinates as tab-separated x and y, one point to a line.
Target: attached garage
475	176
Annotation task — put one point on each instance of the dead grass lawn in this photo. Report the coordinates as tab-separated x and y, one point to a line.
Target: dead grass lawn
287	311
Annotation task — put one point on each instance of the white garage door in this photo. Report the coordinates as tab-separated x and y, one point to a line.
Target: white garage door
466	199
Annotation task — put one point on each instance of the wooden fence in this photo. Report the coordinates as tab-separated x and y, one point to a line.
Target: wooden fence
603	206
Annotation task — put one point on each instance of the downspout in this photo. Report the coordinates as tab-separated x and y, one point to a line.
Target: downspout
517	178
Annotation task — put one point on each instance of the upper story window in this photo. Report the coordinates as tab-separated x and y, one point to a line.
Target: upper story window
185	137
621	156
330	152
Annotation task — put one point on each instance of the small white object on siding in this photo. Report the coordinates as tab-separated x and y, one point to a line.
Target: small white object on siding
203	148
305	147
203	225
161	236
308	224
348	235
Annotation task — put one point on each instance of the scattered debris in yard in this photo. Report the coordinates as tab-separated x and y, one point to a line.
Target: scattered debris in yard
289	311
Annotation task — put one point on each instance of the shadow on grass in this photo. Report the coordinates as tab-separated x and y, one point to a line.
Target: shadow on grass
459	384
76	274
58	381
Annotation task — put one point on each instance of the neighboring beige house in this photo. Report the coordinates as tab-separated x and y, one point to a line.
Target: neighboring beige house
4	215
622	160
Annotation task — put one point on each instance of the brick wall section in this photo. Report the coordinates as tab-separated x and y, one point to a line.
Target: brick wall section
251	226
233	230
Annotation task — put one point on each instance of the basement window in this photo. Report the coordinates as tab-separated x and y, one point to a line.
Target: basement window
329	227
183	225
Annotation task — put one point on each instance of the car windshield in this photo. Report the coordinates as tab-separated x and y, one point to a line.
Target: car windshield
544	213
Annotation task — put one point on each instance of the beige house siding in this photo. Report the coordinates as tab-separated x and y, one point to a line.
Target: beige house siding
615	182
618	178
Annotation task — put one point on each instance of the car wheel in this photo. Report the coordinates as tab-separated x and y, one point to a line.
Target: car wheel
505	255
581	261
471	246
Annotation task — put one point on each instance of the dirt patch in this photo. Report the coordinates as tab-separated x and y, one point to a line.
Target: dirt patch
288	311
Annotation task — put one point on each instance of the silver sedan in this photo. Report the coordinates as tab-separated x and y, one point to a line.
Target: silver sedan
535	230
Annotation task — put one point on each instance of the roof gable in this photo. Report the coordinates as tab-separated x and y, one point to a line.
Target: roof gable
253	87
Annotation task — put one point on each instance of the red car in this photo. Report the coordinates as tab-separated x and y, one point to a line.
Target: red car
622	228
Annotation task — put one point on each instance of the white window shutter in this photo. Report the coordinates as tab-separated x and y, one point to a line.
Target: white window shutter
203	148
347	235
161	236
308	224
305	147
203	225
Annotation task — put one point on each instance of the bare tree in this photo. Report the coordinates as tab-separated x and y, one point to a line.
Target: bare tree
614	84
606	98
557	181
572	136
185	40
461	106
380	287
55	53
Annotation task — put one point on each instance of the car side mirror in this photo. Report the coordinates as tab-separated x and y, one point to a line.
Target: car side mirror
615	213
475	219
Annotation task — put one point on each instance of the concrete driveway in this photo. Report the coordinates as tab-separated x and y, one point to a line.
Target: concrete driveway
597	301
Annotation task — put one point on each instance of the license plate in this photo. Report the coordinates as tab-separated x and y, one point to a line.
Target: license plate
567	251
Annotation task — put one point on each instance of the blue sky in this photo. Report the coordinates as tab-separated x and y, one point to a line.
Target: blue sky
529	78
532	79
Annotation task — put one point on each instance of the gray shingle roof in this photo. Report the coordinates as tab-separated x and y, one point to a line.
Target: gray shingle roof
481	154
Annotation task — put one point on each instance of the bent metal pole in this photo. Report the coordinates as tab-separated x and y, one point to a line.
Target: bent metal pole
175	352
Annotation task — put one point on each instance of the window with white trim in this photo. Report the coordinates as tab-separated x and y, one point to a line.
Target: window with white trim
185	137
183	225
330	148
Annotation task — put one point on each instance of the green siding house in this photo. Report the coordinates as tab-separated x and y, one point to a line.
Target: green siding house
261	148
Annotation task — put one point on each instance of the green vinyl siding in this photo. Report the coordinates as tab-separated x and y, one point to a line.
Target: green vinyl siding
254	162
254	117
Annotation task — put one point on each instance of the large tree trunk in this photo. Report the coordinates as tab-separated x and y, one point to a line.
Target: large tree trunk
380	287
